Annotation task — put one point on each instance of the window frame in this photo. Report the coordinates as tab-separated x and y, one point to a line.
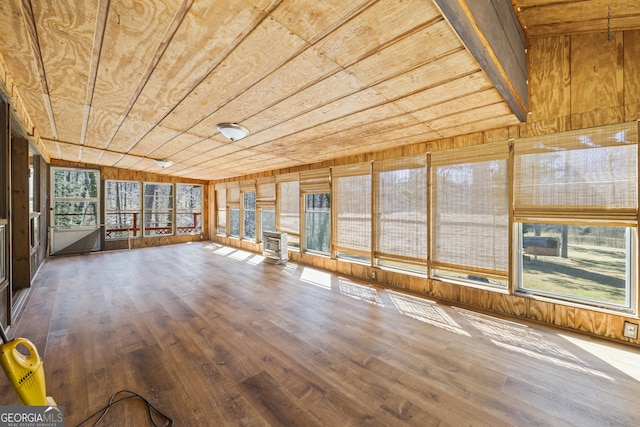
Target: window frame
196	228
137	223
171	213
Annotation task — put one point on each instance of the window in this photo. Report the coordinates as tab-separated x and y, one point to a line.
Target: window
221	206
267	220
233	204
158	209
470	213
589	264
317	222
188	209
122	209
400	213
75	198
315	185
249	215
575	206
266	204
288	208
352	211
234	222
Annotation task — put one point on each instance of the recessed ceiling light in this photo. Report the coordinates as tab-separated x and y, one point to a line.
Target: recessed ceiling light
233	131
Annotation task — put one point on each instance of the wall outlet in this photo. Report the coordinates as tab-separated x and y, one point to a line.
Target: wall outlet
373	275
630	330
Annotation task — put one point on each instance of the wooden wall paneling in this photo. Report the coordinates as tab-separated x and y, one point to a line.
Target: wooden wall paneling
546	127
565	316
631	75
542	311
549	78
570	17
596	323
596	79
20	241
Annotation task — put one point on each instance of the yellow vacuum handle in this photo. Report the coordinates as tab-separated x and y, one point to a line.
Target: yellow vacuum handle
25	372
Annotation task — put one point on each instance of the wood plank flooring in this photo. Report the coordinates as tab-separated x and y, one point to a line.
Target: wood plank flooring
212	336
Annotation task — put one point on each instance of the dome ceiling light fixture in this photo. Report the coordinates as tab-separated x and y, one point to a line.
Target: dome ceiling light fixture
233	131
164	163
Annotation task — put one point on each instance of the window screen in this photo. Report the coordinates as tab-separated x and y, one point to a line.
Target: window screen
470	210
400	212
352	210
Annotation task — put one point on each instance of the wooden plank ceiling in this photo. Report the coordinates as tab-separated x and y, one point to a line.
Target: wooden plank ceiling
122	82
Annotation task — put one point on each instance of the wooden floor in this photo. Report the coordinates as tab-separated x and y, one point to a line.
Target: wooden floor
212	336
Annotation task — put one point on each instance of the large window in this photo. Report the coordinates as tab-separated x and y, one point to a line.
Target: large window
288	208
266	205
221	206
249	215
317	222
158	209
470	213
123	207
75	198
234	222
587	263
400	213
315	186
352	211
575	206
233	205
267	220
188	209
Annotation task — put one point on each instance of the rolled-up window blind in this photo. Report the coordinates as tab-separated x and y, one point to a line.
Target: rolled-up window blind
266	192
317	181
233	194
578	176
288	205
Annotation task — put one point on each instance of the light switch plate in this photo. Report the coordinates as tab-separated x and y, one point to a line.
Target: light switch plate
630	330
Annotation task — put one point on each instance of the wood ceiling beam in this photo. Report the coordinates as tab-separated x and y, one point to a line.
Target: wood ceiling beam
495	38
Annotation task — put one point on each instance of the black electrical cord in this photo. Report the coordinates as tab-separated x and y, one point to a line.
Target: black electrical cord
131	395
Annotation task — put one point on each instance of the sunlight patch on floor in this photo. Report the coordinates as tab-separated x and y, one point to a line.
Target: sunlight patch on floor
316	277
255	260
224	250
290	269
361	292
240	255
425	311
623	359
524	340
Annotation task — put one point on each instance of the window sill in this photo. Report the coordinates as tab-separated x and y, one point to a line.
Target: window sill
622	311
